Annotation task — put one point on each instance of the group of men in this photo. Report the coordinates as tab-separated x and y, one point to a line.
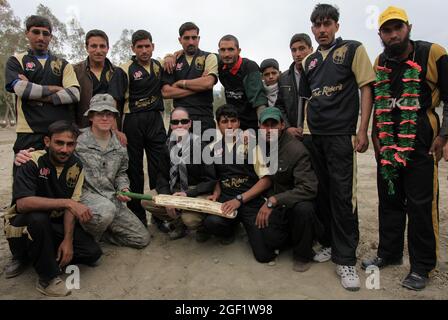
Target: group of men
66	191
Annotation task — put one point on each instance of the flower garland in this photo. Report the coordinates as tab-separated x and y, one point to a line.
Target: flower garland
395	150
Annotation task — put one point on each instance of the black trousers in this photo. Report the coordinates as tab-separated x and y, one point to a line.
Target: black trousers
334	164
145	132
207	122
417	195
24	141
263	242
303	227
47	234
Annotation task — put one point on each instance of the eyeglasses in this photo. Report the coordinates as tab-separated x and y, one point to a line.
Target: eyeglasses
38	32
181	121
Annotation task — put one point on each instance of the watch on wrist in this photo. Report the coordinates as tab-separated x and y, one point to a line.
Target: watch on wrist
240	198
269	204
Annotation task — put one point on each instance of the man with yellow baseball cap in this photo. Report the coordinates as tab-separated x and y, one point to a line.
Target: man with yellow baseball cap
392	13
412	80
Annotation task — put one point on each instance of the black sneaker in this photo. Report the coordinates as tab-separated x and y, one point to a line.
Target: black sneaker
414	281
163	226
179	232
225	241
202	236
380	263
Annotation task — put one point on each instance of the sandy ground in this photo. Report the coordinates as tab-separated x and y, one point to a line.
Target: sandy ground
184	269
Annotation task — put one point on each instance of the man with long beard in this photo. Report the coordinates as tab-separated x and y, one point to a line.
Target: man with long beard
412	80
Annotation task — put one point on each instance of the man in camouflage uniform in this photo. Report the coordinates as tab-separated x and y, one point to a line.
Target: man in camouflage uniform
106	161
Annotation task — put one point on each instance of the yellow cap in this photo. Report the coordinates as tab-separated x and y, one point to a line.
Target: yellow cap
392	13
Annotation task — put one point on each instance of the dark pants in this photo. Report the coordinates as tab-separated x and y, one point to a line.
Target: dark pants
47	234
18	246
416	194
207	122
303	227
336	200
262	241
145	133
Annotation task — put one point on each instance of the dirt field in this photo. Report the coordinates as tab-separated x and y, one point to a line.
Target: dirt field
184	269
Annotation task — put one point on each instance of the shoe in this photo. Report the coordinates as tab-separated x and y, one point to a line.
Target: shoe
179	232
227	240
163	226
349	277
53	288
380	262
202	236
14	268
323	255
300	266
414	281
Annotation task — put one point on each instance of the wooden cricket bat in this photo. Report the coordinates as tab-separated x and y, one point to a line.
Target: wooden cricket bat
183	203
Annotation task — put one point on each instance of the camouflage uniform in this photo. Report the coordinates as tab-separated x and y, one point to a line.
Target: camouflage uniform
105	174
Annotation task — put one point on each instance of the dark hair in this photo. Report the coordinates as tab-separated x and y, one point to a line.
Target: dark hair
140	35
226	110
96	33
324	11
187	26
301	37
37	21
179	109
230	37
63	126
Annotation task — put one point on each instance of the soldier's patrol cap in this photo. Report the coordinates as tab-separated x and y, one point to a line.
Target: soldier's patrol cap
102	102
392	13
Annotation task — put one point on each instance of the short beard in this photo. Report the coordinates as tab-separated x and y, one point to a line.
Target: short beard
397	49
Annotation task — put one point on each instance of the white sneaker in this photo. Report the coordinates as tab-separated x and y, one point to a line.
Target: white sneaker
323	255
349	277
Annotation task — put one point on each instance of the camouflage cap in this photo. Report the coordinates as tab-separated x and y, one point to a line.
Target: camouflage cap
102	102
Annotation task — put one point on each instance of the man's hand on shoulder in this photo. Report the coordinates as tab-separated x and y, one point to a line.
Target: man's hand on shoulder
23	156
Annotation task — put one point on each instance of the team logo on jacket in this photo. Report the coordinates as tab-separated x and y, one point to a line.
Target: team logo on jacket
179	66
200	63
72	176
56	67
138	75
339	55
44	173
30	66
313	64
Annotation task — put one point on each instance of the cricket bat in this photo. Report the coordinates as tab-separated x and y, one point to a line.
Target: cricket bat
183	203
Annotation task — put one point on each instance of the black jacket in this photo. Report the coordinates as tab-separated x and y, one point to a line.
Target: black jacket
295	180
201	177
289	97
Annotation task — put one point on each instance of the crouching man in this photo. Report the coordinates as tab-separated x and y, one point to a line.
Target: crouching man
46	207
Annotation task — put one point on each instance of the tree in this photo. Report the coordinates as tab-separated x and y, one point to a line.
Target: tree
75	40
59	32
11	40
121	50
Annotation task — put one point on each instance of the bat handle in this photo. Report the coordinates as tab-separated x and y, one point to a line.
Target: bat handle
138	196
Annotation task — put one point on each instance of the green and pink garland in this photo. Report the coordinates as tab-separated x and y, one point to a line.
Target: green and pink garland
395	150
